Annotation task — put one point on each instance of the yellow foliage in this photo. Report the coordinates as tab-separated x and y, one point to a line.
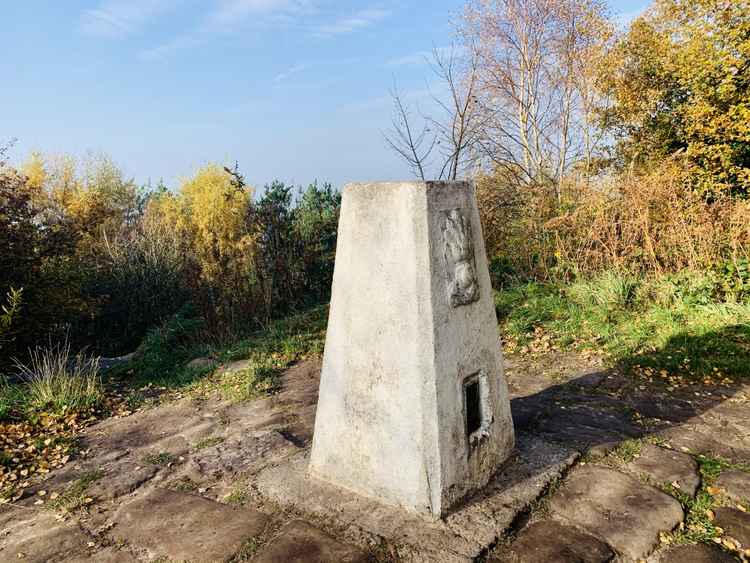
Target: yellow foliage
210	214
35	170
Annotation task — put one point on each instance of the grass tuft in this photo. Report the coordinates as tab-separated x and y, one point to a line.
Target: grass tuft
161	458
74	498
57	380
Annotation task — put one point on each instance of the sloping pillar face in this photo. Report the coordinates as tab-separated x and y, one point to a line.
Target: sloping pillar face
413	407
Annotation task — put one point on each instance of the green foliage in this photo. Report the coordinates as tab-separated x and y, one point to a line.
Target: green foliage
8	314
682	324
316	224
161	356
11	399
160	458
296	243
735	278
56	380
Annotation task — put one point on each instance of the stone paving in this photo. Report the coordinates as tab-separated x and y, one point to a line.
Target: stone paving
214	481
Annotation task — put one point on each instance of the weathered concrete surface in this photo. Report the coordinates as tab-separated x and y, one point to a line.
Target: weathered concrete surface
464	533
299	542
186	527
548	541
616	508
700	553
412	329
663	466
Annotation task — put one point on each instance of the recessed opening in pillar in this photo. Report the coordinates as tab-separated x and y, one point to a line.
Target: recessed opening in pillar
477	409
473	406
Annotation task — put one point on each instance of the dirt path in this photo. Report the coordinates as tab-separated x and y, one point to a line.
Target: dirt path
606	468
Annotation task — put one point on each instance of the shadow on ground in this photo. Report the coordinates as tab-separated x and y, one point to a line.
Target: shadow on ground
604	407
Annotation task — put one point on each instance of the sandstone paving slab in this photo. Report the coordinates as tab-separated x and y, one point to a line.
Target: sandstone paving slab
121	480
699	436
617	508
667	466
185	527
107	555
698	553
735	524
40	537
299	542
583	424
460	537
548	541
736	486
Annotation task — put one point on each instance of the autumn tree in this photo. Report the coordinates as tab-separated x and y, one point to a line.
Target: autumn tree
681	84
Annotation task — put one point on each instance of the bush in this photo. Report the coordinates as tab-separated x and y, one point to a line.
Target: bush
638	224
54	379
138	285
166	348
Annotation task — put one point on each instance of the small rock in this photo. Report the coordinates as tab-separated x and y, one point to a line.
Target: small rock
551	542
735	523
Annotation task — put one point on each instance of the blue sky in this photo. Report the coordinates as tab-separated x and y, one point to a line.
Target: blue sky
295	90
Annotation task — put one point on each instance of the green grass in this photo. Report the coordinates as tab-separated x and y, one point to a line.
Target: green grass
628	450
57	380
699	526
675	323
164	356
74	498
208	443
12	400
238	496
160	458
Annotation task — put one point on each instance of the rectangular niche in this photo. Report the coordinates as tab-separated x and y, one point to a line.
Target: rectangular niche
477	410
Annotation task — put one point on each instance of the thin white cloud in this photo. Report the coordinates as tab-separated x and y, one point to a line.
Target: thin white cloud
289	72
117	18
353	23
165	50
232	12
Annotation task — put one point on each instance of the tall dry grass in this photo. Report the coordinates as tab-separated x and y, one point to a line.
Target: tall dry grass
635	223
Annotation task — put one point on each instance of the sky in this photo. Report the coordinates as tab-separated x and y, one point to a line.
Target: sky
294	90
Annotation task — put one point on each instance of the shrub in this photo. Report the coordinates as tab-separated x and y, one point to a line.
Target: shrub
651	222
167	347
57	380
138	285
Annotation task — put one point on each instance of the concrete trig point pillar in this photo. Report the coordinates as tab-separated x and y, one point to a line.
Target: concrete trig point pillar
413	406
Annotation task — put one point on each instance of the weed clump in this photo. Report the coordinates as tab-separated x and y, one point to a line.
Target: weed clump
56	379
